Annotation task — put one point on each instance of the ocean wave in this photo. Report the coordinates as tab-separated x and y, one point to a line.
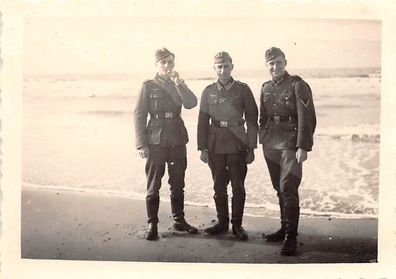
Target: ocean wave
358	133
374	138
253	210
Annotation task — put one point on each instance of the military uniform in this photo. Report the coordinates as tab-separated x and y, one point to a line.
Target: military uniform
166	137
287	122
225	110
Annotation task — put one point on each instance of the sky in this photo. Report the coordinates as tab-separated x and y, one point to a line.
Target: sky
73	45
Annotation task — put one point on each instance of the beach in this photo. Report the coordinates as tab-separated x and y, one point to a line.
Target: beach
73	225
83	186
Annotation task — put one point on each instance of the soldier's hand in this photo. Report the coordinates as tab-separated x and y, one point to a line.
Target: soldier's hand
301	155
143	152
175	77
250	156
204	156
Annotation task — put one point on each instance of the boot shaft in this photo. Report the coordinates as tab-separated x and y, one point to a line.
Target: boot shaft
238	205
152	207
222	208
177	207
292	215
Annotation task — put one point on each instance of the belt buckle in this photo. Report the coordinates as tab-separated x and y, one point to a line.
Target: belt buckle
223	124
276	119
168	114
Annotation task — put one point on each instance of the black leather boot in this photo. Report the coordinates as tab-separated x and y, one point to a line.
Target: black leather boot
280	234
289	246
152	232
179	223
238	205
239	232
222	214
152	206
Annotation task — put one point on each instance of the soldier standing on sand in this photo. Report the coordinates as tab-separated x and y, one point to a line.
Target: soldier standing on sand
163	139
225	144
287	124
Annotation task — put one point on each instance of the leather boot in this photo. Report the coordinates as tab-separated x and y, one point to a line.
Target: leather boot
238	205
289	246
152	206
179	223
152	232
239	232
280	234
222	214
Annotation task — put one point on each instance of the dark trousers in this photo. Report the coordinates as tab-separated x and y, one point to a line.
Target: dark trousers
286	176
226	168
176	159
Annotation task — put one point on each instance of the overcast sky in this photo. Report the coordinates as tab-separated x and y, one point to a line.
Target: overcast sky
127	44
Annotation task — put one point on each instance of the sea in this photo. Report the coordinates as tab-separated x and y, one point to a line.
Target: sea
78	135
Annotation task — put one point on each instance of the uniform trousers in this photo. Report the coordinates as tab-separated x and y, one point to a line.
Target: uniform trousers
226	168
176	159
286	176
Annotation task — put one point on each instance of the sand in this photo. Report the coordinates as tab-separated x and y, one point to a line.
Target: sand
73	225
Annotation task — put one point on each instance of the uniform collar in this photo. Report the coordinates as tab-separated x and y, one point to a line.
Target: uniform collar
282	78
226	86
161	80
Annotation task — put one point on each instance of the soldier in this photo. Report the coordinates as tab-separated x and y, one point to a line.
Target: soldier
163	139
287	124
226	106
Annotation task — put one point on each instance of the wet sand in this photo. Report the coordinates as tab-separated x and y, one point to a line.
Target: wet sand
72	225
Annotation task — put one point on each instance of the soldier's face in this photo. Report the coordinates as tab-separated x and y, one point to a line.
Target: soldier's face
223	70
165	66
277	66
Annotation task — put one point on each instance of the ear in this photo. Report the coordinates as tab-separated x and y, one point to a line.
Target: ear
285	62
232	67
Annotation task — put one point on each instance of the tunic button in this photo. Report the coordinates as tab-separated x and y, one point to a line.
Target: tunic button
274	104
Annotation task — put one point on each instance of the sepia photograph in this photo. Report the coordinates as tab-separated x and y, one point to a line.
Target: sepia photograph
205	139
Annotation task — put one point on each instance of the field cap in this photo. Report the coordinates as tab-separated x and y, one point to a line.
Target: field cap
221	57
272	53
162	53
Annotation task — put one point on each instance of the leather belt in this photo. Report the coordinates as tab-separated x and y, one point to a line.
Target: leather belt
165	115
283	118
225	124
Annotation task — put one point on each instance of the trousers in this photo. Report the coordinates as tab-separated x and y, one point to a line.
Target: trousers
175	157
286	176
226	168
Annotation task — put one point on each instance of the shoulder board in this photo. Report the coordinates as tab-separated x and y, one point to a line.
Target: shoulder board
147	81
240	82
268	81
210	85
296	78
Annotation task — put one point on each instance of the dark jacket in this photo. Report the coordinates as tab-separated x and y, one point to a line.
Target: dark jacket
162	100
289	97
234	104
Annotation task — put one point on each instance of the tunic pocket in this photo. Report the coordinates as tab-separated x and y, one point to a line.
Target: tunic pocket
240	138
236	99
154	132
286	99
156	100
183	131
290	134
213	99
